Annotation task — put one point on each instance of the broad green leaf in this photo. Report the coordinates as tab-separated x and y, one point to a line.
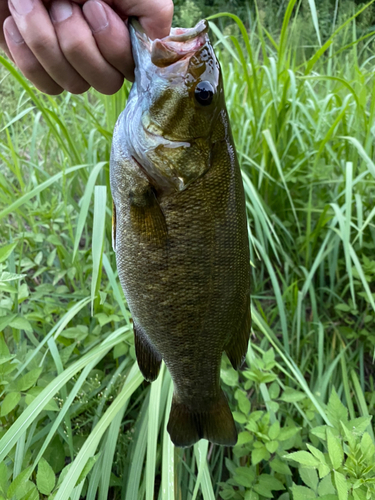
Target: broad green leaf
367	446
244	438
250	495
341	485
28	492
323	470
320	431
271	482
45	477
317	453
258	455
10	401
302	493
335	450
359	425
281	467
272	446
287	433
239	417
28	380
21	324
6	250
230	377
292	396
274	430
309	477
303	458
63	474
263	490
326	487
243	402
19	482
245	476
336	411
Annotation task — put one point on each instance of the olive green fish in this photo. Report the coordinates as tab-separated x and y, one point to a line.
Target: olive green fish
180	231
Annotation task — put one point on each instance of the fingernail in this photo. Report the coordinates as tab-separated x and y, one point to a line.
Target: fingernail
12	31
95	15
22	7
60	10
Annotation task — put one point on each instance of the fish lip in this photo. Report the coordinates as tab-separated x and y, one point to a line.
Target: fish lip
176	34
179	45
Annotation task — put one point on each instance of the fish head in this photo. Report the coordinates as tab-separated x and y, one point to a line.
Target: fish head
177	99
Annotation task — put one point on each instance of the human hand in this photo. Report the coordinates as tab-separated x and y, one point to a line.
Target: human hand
62	45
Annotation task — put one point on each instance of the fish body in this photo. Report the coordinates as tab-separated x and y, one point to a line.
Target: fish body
180	231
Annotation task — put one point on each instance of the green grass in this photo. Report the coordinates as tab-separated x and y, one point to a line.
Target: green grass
71	390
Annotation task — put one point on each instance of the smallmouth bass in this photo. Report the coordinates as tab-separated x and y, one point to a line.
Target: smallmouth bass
180	231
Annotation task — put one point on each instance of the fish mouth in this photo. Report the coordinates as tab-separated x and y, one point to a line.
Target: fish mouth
180	44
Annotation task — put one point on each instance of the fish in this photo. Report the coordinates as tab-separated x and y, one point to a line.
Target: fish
180	228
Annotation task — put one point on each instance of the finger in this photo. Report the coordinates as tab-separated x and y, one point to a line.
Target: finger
37	30
111	36
155	16
26	61
80	49
4	13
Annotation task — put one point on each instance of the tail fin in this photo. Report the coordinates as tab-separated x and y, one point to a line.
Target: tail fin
215	424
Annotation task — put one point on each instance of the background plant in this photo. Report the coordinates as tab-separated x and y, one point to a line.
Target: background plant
77	419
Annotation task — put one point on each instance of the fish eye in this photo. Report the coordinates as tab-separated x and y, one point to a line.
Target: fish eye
204	93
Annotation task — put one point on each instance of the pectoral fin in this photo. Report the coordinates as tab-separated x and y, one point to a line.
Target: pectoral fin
149	360
236	348
147	218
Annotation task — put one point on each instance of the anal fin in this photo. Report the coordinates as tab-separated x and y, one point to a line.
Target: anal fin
149	359
236	348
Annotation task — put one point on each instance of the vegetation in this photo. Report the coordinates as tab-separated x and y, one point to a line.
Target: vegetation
77	418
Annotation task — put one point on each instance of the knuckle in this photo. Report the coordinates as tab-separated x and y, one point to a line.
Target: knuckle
40	43
31	69
73	47
167	9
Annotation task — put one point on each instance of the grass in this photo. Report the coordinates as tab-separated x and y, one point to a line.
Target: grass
70	387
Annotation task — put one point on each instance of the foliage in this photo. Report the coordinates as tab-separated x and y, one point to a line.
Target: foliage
77	419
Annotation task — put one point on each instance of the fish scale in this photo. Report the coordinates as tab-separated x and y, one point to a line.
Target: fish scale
181	233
